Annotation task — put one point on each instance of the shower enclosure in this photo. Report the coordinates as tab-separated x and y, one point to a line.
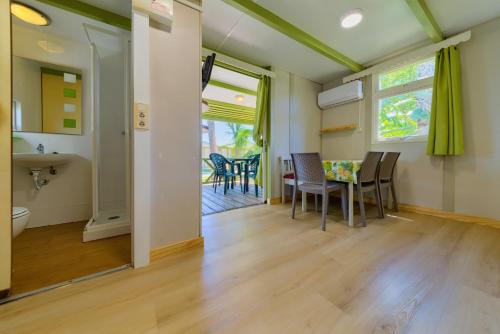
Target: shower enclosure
110	81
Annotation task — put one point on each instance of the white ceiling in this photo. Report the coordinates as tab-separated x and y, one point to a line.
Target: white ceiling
388	26
228	95
68	26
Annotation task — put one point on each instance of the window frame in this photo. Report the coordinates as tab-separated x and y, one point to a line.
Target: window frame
378	94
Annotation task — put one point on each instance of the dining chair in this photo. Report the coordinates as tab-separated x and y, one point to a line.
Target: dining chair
251	170
367	178
222	171
386	177
310	178
287	176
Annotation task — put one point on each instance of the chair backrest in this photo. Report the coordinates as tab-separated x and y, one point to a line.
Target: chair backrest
220	162
369	168
386	170
286	166
253	165
308	168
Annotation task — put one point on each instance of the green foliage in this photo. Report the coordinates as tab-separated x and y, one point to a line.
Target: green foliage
407	114
404	115
242	144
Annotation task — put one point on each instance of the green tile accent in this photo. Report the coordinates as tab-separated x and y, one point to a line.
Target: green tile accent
59	73
70	92
69	123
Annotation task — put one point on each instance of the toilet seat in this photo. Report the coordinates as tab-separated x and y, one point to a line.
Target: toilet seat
18	212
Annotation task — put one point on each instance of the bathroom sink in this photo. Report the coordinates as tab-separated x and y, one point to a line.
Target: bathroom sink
39	161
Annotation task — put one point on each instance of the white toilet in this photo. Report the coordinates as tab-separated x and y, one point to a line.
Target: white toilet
20	218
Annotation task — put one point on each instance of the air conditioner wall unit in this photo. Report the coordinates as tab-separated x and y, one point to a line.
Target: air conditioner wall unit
349	92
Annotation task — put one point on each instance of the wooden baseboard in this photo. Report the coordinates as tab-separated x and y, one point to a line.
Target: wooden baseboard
158	253
450	215
275	200
4	293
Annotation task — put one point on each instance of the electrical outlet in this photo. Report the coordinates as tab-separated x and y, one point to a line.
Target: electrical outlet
141	116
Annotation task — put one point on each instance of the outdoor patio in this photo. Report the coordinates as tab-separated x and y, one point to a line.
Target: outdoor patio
213	202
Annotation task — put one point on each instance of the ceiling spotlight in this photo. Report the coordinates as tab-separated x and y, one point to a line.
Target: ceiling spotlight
239	98
351	19
29	14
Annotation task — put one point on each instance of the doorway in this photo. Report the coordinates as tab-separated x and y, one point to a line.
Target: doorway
71	152
231	160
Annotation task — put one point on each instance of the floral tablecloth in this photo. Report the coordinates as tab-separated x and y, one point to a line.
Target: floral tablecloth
342	170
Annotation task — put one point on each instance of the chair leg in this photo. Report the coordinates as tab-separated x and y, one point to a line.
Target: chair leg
324	208
294	201
380	203
316	202
394	199
343	196
283	197
361	206
256	190
215	184
226	184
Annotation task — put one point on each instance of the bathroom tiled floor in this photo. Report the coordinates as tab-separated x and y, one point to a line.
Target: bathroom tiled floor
53	254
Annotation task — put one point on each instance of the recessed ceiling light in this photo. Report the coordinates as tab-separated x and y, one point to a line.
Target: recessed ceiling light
50	47
239	98
351	19
29	14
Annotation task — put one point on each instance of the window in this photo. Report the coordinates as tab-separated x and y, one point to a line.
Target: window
402	101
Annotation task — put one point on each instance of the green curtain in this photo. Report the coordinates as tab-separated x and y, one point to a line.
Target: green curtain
261	129
445	129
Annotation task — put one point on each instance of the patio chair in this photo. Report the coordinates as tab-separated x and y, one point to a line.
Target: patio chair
386	177
222	171
310	178
251	170
368	182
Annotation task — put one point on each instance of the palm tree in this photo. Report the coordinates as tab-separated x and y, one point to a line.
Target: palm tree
241	137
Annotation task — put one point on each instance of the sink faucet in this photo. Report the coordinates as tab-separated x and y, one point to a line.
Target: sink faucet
40	149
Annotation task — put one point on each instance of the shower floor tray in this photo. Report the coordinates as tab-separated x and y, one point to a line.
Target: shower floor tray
107	224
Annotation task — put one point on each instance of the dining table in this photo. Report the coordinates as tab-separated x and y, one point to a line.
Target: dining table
345	171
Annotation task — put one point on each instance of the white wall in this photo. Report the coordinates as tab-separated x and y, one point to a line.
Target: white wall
175	129
468	184
27	90
68	196
295	120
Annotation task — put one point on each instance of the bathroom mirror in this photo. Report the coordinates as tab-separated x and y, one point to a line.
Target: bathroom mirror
46	98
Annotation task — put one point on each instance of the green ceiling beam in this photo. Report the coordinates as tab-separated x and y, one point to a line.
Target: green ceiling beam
232	87
91	12
424	16
272	20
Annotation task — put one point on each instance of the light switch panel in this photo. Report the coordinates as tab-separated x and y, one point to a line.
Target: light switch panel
141	116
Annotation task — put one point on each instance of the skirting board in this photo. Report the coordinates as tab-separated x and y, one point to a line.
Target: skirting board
4	293
158	253
450	215
429	212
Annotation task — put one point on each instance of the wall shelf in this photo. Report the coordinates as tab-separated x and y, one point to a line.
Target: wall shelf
346	127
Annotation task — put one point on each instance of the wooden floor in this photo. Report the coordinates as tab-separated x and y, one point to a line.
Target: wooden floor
214	202
53	254
262	273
